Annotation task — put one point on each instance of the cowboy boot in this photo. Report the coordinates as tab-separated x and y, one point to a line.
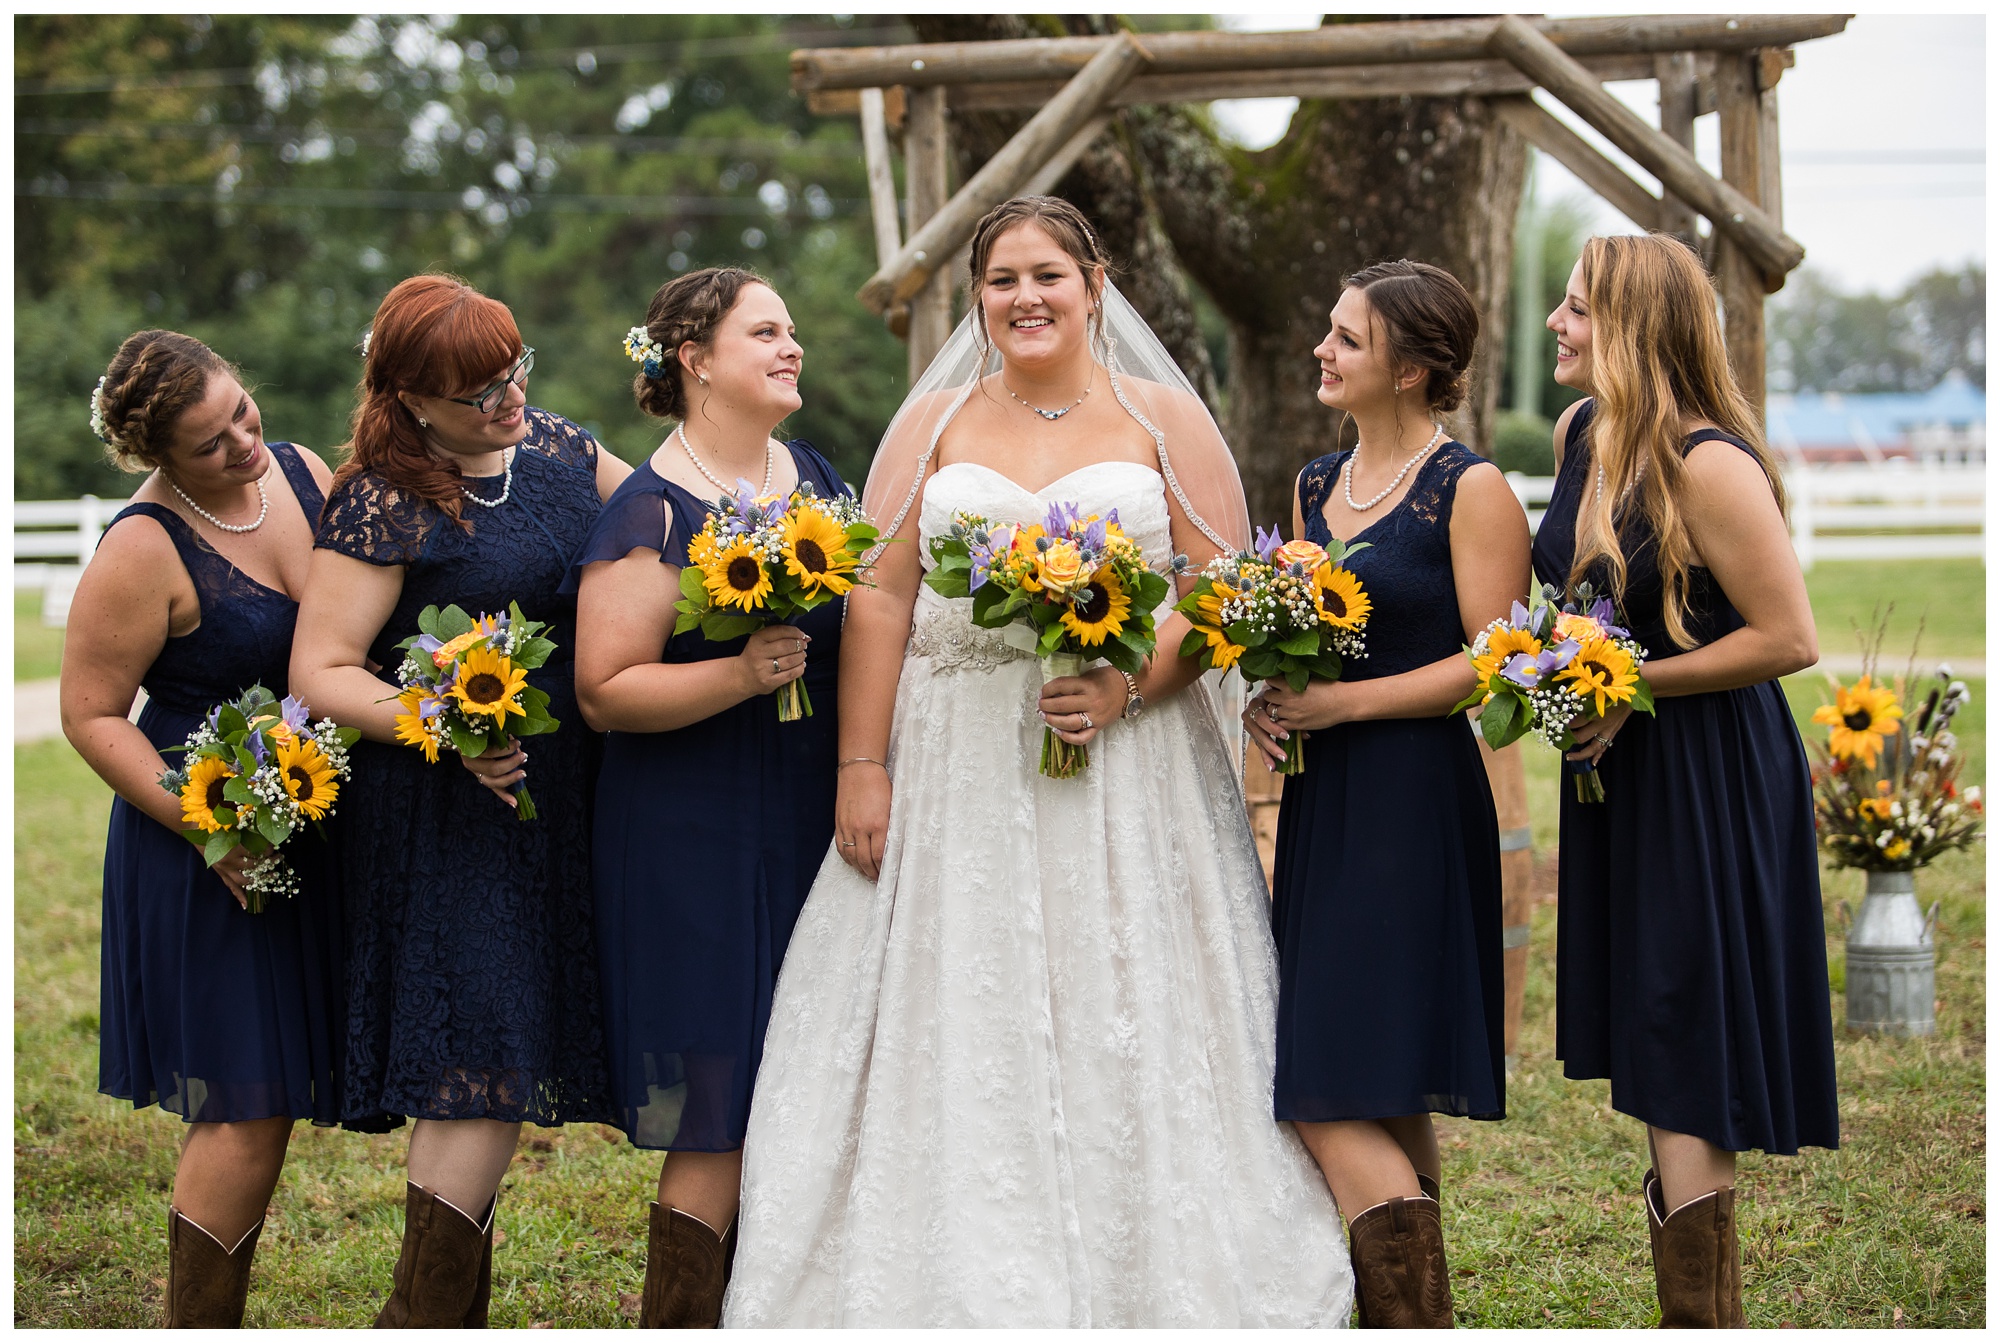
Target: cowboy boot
207	1283
482	1287
687	1267
1401	1280
441	1268
1696	1267
1429	1189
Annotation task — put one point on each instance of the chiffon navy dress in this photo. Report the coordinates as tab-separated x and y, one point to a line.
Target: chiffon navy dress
708	838
1386	899
1690	943
472	974
212	1013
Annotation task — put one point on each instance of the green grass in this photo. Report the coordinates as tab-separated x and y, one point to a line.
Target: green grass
1949	596
37	648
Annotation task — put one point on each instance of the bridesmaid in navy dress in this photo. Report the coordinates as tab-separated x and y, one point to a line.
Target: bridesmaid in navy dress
713	817
228	1019
1691	950
472	978
1386	905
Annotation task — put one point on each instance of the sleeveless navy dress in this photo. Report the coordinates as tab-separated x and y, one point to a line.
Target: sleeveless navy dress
472	974
212	1013
1690	942
1386	900
708	838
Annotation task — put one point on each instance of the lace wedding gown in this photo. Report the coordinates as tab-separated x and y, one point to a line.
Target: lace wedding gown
1025	1078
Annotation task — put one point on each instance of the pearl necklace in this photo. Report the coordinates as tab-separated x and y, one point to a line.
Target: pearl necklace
263	509
506	485
1347	472
1050	415
770	462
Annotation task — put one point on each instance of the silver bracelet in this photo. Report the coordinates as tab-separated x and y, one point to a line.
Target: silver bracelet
859	760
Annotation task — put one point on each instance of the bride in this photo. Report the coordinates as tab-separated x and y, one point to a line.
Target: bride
1020	1058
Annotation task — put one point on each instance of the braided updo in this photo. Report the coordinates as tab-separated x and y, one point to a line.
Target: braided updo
154	379
1429	323
687	308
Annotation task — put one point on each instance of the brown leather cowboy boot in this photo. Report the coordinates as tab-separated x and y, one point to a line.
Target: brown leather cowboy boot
1429	1189
1400	1277
687	1268
482	1287
206	1283
444	1260
1696	1267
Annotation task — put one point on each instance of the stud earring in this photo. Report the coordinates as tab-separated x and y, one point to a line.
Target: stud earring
702	378
424	422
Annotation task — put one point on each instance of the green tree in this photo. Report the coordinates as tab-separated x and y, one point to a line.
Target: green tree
1824	339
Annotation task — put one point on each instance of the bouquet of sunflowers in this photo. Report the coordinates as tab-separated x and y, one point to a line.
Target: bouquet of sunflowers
1070	589
1539	669
255	771
759	562
465	685
1886	799
1284	609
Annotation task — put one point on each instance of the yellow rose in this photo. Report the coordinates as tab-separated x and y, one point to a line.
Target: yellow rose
1578	627
1300	552
1061	568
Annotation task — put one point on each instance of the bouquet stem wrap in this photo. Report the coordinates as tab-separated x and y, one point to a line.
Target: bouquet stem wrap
1062	759
793	701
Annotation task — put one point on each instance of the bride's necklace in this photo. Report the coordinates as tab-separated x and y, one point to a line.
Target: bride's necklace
263	508
1049	415
1347	472
506	485
770	463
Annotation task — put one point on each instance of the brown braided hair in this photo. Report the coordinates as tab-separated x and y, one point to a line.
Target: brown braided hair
154	379
686	308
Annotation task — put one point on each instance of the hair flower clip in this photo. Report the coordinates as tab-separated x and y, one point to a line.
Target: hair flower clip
97	423
367	337
643	350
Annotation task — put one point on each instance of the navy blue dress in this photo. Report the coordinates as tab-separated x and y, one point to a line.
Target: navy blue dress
1690	945
472	974
209	1012
1386	900
707	842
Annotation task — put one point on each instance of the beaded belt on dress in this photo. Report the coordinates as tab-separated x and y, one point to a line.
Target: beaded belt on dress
944	634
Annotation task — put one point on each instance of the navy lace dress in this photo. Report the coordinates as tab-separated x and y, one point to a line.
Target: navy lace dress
1386	901
472	974
212	1013
1691	945
707	842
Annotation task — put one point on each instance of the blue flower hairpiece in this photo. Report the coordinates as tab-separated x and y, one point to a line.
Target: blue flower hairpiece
643	350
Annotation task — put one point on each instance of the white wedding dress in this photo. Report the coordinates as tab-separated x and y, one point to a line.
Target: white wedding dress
1025	1078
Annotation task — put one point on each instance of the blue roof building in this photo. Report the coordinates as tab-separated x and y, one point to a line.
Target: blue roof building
1946	424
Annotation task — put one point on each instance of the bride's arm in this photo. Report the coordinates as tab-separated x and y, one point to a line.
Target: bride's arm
872	639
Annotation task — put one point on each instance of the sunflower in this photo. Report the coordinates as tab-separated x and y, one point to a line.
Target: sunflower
1342	603
1602	670
1222	653
816	552
1501	646
489	683
410	729
1104	615
1859	718
702	548
203	794
308	777
735	576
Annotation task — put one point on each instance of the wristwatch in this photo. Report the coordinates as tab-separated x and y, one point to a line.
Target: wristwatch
1135	703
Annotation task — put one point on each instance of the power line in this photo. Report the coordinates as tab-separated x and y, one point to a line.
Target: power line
470	198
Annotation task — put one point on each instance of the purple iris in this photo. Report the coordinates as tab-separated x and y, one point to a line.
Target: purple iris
1527	672
1268	543
1518	616
428	644
1063	518
1602	612
293	712
1092	539
257	749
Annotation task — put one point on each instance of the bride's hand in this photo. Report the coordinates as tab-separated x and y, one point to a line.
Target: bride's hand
1265	734
861	817
1077	708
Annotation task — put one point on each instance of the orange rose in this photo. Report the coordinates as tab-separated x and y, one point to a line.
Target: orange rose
1062	570
1300	552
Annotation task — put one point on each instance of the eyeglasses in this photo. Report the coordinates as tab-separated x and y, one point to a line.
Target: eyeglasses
517	376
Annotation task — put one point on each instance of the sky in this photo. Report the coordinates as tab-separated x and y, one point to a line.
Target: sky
1883	135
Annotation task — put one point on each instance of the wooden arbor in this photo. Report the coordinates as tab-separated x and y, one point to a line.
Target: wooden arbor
1726	64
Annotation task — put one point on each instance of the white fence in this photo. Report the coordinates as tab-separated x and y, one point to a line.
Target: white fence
1860	512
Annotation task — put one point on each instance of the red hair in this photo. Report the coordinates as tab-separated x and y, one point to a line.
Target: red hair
434	335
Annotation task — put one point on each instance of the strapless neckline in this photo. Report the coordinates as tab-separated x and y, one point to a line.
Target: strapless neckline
1046	489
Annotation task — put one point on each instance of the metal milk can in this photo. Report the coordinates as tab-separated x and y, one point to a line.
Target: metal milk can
1891	960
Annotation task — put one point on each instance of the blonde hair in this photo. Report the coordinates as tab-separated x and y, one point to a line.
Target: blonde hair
1657	361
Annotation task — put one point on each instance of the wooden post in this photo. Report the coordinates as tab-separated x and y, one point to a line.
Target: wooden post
931	246
1676	74
926	163
1738	278
881	176
1509	781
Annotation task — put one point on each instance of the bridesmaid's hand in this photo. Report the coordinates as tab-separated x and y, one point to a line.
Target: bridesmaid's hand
503	766
773	657
233	871
1594	734
1077	708
861	817
1265	734
1320	704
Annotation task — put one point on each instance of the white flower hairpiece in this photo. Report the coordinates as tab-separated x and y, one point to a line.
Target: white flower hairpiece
642	349
97	424
366	337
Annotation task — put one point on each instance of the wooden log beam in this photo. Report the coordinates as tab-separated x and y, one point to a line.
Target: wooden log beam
1733	213
1045	179
1565	146
1738	278
1678	94
927	184
1357	44
1003	175
881	176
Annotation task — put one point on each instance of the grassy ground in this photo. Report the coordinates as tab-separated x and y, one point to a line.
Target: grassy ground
1545	1223
1949	596
37	649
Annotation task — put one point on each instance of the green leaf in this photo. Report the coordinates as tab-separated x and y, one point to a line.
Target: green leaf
217	846
347	736
686	621
1301	645
273	826
1642	697
452	622
1193	642
1504	719
463	741
722	625
692	586
230	722
238	792
533	652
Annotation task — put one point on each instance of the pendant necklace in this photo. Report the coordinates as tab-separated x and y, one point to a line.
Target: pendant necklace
770	463
263	509
1050	415
1347	472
